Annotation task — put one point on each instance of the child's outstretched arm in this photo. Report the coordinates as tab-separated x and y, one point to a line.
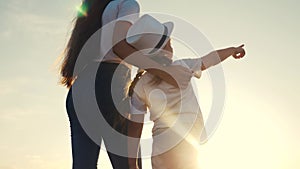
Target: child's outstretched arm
135	127
216	57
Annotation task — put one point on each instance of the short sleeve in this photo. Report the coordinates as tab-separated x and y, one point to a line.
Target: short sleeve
193	64
129	11
137	106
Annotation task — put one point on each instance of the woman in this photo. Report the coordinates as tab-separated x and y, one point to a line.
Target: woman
94	15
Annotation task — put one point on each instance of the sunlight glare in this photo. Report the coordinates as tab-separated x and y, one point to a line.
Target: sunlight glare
82	10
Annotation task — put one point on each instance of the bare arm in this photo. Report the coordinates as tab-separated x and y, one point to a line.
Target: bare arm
135	127
218	56
171	74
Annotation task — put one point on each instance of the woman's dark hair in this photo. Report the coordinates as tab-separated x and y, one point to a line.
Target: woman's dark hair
84	27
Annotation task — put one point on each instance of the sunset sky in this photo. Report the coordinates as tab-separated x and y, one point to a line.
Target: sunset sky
261	121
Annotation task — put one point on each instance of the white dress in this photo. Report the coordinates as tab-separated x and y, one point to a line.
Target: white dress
177	118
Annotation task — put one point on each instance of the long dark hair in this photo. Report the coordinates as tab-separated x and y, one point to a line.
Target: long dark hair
85	26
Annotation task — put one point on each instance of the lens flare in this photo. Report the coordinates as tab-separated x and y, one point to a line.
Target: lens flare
82	10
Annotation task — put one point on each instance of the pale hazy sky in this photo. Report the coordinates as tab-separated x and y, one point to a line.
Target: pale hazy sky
261	121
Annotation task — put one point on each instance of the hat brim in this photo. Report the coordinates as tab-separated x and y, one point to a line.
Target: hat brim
170	27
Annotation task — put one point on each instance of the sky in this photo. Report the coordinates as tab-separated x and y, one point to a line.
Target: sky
260	124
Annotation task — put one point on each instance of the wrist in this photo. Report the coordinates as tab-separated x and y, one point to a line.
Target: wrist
133	166
132	161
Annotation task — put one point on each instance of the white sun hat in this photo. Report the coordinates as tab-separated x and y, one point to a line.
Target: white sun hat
149	35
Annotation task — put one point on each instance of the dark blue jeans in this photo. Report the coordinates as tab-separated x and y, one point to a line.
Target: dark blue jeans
85	152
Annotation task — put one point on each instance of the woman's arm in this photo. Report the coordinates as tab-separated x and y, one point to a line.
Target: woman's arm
135	127
218	56
171	74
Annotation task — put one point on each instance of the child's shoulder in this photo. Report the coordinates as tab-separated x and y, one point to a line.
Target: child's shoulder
144	79
143	83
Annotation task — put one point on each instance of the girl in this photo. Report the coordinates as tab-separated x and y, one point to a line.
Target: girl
93	15
178	123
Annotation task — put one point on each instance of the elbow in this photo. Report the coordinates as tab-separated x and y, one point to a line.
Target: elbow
203	67
122	49
205	63
117	50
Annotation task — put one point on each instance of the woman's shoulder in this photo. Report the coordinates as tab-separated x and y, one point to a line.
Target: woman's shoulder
132	3
124	4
